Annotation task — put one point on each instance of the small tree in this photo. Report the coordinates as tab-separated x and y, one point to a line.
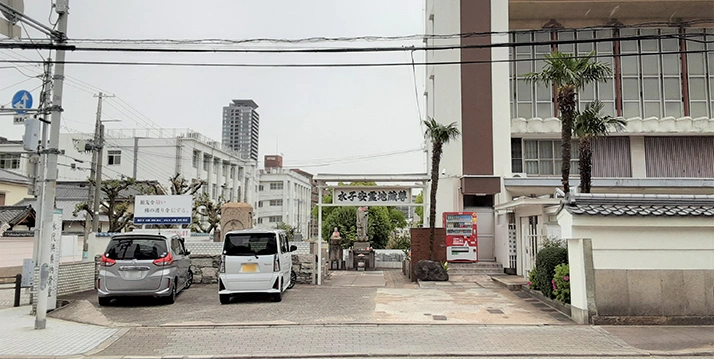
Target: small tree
590	124
115	203
180	186
439	135
209	210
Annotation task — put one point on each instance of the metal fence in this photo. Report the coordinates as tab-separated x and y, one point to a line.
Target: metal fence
215	248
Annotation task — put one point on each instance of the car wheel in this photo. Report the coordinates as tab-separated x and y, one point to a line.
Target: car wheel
171	299
225	298
104	301
293	279
189	279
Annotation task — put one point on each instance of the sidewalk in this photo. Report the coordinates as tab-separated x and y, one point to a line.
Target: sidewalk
467	319
18	338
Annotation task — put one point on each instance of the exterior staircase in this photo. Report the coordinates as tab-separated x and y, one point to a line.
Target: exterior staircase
477	268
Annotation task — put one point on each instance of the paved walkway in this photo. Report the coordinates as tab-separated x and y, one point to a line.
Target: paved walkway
392	318
372	340
19	338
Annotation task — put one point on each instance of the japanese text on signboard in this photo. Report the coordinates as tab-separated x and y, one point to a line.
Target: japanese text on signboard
162	209
372	196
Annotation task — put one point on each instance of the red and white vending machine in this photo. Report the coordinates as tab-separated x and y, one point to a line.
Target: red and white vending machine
461	236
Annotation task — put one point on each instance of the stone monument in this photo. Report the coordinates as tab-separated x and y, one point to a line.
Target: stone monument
336	261
362	254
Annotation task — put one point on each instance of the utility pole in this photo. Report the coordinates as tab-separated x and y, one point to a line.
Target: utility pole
39	188
48	199
95	190
98	179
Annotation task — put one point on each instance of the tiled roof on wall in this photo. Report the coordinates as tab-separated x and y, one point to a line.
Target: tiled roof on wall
639	205
633	125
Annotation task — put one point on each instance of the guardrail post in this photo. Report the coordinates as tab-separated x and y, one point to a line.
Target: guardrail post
18	286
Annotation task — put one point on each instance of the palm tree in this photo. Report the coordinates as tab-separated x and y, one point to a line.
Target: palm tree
588	125
569	73
439	135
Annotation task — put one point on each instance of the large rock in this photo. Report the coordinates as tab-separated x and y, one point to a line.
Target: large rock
430	271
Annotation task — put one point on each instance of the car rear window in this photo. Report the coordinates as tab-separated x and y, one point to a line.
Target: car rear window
250	244
136	248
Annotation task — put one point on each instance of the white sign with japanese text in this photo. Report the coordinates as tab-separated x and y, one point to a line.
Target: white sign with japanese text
163	209
55	255
372	196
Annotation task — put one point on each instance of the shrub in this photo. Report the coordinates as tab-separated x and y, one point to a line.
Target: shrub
546	260
532	279
561	281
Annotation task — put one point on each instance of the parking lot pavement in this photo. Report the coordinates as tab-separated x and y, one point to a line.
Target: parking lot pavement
348	297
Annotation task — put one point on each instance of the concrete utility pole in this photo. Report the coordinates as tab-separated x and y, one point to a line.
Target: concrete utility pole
95	190
48	200
98	179
40	166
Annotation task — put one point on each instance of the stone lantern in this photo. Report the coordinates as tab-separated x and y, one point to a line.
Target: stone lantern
336	261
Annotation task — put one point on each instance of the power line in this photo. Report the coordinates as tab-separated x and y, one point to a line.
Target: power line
336	65
215	41
74	48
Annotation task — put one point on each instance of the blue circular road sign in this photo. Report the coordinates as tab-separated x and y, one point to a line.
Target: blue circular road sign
22	100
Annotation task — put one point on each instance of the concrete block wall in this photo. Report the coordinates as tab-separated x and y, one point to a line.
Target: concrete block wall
75	277
666	293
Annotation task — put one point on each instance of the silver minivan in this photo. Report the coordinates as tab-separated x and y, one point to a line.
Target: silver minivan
255	261
140	264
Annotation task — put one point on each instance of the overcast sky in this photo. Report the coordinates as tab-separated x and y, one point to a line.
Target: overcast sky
306	114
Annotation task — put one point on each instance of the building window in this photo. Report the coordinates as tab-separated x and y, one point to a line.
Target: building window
275	219
214	190
543	157
261	188
260	220
114	157
216	164
206	162
516	155
233	171
276	185
196	158
260	204
652	81
276	202
10	160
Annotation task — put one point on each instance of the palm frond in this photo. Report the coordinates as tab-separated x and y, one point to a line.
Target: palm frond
590	123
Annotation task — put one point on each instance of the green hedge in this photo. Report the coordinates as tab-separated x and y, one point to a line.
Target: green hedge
546	261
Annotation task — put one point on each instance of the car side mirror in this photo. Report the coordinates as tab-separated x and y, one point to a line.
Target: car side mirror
293	248
188	252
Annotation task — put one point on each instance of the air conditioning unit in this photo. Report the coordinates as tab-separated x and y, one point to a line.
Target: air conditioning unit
520	175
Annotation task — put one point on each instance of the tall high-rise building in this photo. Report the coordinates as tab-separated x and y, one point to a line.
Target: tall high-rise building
241	123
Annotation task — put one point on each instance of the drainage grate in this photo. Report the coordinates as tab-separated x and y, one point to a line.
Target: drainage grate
439	317
495	311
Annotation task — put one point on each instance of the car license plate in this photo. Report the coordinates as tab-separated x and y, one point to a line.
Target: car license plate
133	274
249	267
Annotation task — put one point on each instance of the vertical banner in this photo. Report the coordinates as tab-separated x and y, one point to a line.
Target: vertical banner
55	255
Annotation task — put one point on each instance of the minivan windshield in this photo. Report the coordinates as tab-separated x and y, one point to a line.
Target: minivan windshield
139	248
250	244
